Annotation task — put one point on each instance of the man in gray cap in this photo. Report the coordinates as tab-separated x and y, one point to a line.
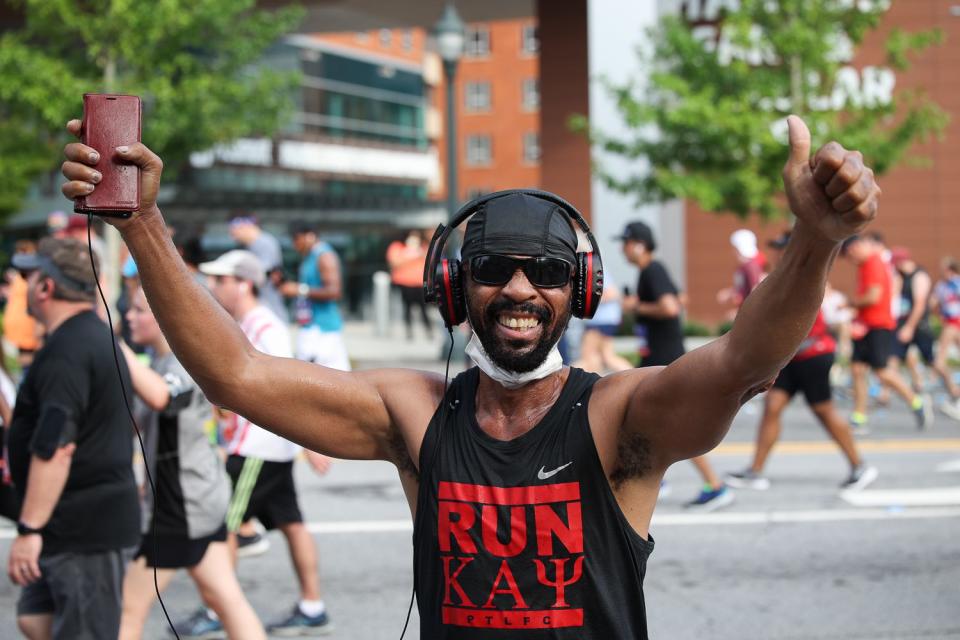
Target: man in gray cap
532	494
71	456
260	463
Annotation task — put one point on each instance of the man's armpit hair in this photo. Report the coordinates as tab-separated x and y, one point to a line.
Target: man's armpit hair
633	459
400	456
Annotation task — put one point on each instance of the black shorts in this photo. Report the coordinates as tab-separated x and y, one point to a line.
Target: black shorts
922	339
177	552
264	490
811	376
875	348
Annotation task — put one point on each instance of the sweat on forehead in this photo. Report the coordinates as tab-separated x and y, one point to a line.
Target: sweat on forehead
520	224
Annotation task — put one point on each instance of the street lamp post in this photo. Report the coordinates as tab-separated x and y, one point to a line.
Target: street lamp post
449	36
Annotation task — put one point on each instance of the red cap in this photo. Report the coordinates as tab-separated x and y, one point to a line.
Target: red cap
898	254
77	223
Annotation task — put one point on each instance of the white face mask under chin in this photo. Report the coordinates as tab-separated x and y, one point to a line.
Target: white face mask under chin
511	379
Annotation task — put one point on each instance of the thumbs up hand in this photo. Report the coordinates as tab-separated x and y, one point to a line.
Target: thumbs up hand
833	192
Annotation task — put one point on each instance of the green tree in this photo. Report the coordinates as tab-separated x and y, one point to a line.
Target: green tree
709	121
194	63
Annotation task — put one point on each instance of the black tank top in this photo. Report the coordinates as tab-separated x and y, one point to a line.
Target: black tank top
523	539
906	302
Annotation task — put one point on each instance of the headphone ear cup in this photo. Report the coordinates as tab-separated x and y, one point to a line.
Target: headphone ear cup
587	285
450	297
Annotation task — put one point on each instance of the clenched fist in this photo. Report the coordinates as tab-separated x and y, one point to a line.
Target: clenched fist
83	178
833	192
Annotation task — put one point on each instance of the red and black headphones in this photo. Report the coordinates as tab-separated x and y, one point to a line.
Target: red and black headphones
443	277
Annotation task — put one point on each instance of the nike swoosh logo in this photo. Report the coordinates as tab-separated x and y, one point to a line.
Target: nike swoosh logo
543	474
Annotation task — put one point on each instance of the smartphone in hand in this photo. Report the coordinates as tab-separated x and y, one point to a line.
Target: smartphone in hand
110	121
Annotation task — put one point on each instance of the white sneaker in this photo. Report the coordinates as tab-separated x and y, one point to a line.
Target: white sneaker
254	545
747	479
860	478
951	409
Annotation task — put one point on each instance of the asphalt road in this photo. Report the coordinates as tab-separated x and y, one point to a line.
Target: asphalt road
795	562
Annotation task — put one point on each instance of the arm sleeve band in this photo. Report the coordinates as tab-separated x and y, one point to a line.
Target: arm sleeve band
181	394
55	429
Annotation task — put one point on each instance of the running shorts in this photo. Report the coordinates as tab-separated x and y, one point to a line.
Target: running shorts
262	489
177	552
811	376
922	339
875	348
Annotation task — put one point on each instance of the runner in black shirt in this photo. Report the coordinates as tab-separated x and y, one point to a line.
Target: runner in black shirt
567	464
658	308
657	305
70	447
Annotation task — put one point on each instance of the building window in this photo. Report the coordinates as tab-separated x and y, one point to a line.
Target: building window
529	41
478	42
531	147
531	94
477	96
406	40
479	150
386	37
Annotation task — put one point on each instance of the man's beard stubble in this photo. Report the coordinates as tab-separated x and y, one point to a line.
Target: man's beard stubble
504	354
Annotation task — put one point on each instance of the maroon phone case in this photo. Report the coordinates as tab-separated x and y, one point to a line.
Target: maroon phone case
110	121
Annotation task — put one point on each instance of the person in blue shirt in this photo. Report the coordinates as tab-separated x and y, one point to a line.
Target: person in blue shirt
316	295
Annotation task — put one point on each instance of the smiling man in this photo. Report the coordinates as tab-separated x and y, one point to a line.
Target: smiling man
532	484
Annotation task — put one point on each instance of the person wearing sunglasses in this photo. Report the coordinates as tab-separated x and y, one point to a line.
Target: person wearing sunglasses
531	485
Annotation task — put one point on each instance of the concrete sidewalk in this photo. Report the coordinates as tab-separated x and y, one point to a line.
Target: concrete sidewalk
367	349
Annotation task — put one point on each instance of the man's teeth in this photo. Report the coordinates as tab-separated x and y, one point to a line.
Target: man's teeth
519	323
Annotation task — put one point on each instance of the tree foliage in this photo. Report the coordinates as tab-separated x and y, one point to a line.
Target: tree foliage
709	120
192	62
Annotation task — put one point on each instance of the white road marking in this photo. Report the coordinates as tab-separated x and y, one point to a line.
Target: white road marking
687	519
360	526
784	517
664	520
951	466
932	497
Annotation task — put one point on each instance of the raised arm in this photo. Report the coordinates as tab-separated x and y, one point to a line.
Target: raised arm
685	409
333	412
147	383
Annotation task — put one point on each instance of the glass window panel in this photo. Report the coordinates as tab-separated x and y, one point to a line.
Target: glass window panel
478	41
531	94
477	96
479	150
531	147
530	42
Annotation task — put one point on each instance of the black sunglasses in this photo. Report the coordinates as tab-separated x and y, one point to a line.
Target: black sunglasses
542	272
